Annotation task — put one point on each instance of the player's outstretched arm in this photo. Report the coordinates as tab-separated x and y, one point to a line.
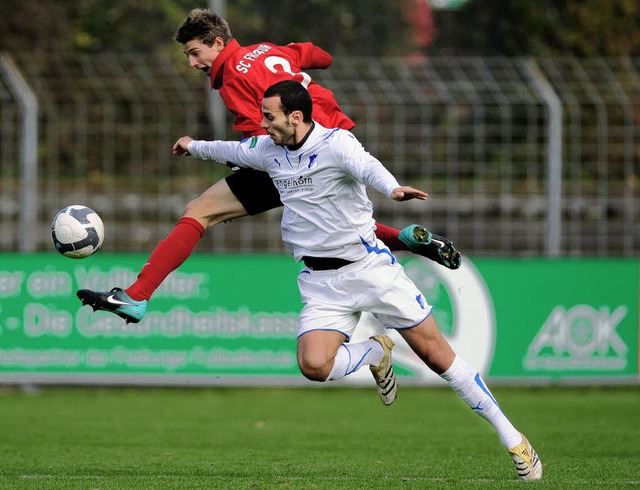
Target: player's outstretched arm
406	193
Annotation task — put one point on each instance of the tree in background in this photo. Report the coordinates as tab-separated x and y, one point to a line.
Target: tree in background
357	27
540	27
33	25
149	25
90	25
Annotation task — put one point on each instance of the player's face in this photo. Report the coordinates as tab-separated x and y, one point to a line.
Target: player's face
200	55
279	126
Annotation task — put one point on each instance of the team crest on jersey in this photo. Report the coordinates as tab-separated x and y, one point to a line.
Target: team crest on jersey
313	161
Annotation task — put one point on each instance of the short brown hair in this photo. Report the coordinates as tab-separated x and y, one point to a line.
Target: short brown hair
205	26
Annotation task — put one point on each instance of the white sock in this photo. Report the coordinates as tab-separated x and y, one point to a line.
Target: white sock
470	386
351	357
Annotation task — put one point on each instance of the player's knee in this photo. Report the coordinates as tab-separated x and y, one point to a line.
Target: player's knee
314	371
203	210
214	206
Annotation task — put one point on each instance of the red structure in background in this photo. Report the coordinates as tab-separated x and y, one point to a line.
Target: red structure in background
418	16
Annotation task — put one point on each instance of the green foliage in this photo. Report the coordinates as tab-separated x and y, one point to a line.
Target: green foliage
143	25
541	27
29	25
602	28
357	27
149	25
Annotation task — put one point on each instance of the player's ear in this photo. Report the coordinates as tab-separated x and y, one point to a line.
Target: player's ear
297	117
218	43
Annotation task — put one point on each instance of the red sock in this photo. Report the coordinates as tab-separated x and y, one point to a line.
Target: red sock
168	255
390	237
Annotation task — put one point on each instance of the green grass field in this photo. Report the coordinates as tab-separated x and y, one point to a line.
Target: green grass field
324	438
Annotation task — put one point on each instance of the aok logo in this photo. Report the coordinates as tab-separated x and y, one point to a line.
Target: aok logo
580	338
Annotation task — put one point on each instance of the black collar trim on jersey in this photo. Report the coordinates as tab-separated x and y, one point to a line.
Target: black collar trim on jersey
297	146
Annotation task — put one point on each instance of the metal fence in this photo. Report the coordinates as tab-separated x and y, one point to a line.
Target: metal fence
521	157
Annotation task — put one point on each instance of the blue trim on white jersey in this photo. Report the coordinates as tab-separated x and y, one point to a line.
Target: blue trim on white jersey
286	155
331	134
415	325
312	149
378	250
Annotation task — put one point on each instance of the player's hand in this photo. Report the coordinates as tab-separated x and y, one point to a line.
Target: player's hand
180	147
405	193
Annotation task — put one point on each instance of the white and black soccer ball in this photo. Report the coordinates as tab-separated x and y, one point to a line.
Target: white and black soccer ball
77	231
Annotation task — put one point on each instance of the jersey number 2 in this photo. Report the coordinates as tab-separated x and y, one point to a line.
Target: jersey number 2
276	64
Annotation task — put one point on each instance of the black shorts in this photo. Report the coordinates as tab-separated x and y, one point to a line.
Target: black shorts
254	189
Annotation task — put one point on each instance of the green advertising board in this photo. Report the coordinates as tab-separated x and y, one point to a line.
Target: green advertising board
564	318
230	316
232	319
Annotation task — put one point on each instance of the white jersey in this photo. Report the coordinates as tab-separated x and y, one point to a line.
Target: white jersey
322	185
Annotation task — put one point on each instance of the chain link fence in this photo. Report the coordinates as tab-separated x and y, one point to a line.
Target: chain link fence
521	157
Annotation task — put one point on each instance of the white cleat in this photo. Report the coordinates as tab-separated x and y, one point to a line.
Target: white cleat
528	464
383	372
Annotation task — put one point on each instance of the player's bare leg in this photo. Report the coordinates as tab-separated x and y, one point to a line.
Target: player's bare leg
317	351
216	205
427	341
429	344
324	355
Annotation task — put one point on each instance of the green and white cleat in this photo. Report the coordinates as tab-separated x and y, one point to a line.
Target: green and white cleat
383	372
435	247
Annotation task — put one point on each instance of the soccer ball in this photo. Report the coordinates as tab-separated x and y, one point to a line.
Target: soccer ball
77	231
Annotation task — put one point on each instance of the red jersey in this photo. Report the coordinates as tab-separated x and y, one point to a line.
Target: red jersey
243	73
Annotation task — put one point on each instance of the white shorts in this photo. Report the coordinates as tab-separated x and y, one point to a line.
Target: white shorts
335	299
